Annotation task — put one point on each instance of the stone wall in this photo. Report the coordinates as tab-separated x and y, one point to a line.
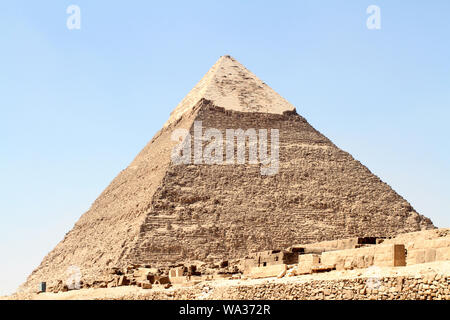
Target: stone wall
339	244
435	287
389	255
306	262
431	287
268	258
423	251
268	271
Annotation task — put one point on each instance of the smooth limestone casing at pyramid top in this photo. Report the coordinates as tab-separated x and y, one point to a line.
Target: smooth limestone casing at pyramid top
157	212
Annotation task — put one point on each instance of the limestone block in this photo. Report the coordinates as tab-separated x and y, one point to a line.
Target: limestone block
369	259
443	254
390	255
144	284
282	274
340	263
431	243
309	258
380	255
331	257
416	256
322	268
306	261
143	274
123	281
176	272
304	268
418	244
430	255
441	242
160	280
349	263
268	271
360	263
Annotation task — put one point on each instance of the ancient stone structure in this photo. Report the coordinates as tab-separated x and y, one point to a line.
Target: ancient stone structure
339	244
271	257
157	212
389	255
274	270
433	287
355	253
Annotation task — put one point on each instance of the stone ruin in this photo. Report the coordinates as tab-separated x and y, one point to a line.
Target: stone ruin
345	254
158	213
354	253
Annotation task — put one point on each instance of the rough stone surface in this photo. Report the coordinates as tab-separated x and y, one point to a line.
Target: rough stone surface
230	85
390	288
320	193
266	272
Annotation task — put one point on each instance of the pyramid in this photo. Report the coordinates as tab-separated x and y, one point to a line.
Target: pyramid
158	212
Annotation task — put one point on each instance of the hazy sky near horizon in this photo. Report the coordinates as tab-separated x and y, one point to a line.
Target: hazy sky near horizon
78	105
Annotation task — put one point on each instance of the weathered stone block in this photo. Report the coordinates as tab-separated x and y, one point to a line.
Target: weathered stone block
331	257
176	272
146	285
340	264
306	262
390	255
123	281
348	263
267	272
160	280
443	254
430	255
442	242
309	258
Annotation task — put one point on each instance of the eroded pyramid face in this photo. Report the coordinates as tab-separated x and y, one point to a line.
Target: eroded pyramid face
159	211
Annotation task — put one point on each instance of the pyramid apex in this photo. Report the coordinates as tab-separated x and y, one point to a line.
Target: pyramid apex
229	85
227	56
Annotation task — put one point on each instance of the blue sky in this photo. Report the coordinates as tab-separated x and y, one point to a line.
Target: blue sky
78	105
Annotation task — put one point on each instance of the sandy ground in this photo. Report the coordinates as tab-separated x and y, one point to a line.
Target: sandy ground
128	292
